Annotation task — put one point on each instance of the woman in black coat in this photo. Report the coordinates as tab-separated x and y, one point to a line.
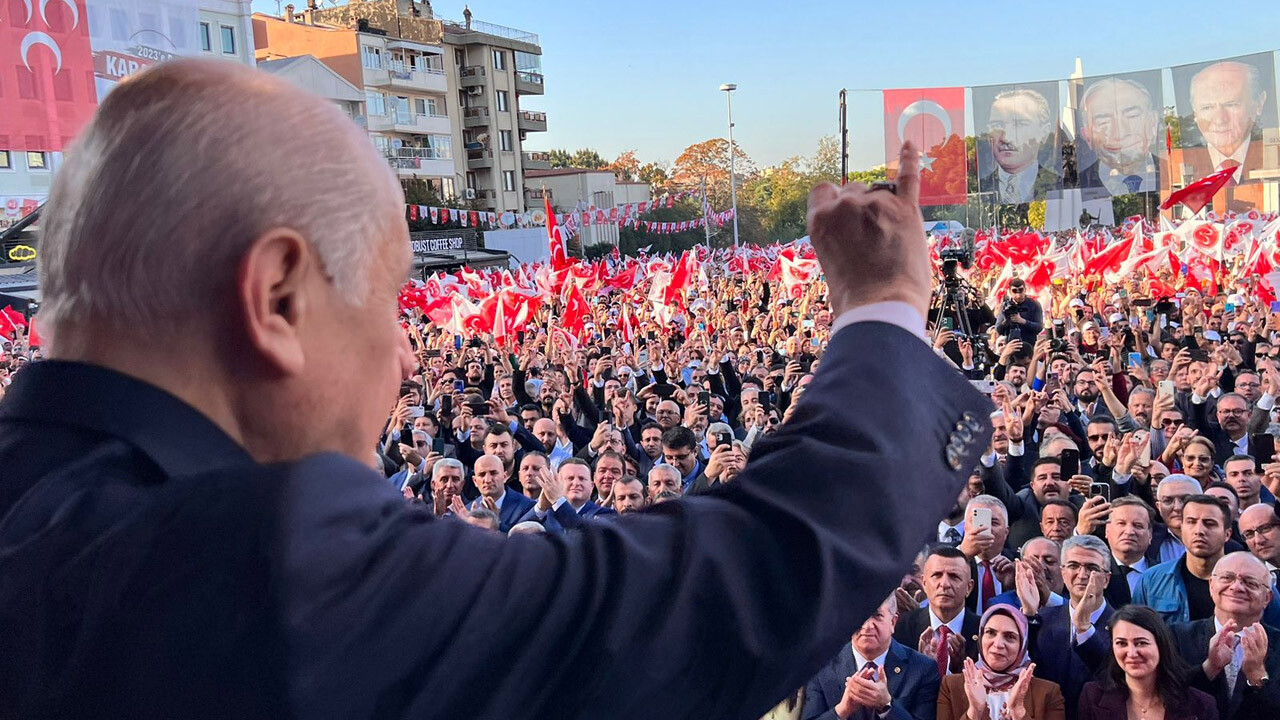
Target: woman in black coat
1145	677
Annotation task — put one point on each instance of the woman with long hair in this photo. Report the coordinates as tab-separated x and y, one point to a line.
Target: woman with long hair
1145	677
1002	684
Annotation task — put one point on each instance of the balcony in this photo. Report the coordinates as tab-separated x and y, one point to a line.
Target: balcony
529	83
475	117
421	161
536	160
410	123
479	158
472	76
404	77
533	121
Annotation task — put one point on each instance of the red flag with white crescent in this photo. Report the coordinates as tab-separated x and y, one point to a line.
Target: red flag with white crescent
933	120
555	239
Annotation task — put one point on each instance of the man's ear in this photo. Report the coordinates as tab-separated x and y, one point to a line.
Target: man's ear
270	290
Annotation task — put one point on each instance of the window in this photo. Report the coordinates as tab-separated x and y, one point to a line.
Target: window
499	60
375	102
383	145
471	181
6	163
228	40
459	57
504	140
371	57
509	180
434	109
420	106
447	191
206	40
38	160
502	101
442	145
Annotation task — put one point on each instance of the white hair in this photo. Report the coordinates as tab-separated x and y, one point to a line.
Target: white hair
671	470
989	501
528	527
183	167
1253	79
446	463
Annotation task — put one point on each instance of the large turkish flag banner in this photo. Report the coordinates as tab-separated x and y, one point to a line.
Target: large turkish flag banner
932	119
47	91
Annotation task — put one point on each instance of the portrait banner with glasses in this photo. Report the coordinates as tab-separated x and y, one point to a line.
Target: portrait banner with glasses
1019	159
1224	107
1120	134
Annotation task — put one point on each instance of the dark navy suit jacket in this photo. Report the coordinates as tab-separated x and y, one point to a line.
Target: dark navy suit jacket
1059	659
149	568
564	518
912	678
514	506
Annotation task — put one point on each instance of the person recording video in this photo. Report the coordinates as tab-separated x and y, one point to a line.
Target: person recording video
1021	317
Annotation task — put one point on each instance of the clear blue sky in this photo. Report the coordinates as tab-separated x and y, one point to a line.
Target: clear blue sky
644	76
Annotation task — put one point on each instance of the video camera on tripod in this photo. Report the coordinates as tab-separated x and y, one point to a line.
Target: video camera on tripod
956	305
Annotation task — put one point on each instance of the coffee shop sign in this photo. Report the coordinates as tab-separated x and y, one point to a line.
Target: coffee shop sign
438	244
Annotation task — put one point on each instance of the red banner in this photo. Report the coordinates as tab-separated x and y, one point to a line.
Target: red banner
47	91
932	119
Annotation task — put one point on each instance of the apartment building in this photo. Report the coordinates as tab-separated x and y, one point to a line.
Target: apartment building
442	99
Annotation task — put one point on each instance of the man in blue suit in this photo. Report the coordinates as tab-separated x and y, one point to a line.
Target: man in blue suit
1070	642
509	505
191	528
565	502
875	677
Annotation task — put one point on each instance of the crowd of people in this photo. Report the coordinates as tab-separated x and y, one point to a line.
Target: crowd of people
1115	554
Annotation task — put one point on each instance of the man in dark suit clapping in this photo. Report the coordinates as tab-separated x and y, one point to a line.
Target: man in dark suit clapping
947	579
224	351
874	677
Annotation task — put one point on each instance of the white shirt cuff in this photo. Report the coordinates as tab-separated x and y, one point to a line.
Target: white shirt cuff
894	312
1196	399
1083	637
1019	447
1266	402
556	505
988	460
1121	478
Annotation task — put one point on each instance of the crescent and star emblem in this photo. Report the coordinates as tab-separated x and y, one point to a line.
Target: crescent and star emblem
924	107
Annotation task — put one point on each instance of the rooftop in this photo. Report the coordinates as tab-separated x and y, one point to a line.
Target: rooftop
564	171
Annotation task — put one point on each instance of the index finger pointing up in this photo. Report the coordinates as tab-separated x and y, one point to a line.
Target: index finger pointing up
909	173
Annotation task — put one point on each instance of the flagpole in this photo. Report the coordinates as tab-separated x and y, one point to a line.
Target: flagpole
706	226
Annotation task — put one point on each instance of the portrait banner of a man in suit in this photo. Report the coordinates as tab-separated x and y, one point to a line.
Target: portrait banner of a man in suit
1223	107
1018	152
1119	120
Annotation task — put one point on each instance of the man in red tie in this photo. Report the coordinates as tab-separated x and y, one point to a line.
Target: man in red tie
945	631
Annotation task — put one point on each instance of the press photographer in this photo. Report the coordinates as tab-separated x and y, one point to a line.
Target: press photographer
1021	317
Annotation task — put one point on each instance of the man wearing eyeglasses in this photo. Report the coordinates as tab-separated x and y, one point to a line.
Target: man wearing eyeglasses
1230	432
1260	528
1073	640
1235	653
1021	312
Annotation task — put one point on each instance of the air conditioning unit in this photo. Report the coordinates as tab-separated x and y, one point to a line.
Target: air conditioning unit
475	90
470	193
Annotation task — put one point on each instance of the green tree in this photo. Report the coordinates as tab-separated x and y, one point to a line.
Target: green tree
656	175
588	158
875	174
560	158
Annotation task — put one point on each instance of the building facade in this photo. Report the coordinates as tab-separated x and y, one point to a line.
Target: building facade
140	32
581	189
442	99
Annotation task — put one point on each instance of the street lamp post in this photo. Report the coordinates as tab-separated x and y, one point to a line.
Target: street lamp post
728	89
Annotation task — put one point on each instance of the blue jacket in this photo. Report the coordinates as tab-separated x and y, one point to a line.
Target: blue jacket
912	678
1162	589
142	569
1057	656
514	506
564	518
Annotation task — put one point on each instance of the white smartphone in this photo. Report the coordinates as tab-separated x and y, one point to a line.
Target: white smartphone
986	387
1166	387
981	517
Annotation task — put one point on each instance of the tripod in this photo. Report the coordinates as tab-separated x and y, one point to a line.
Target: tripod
954	297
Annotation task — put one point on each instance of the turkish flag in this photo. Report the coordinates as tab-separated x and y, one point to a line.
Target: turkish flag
47	89
1199	193
933	120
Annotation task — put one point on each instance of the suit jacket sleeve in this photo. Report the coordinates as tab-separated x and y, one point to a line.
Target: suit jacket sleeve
817	706
994	484
924	701
757	586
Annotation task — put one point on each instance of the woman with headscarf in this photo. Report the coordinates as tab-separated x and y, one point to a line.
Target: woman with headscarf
1002	684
